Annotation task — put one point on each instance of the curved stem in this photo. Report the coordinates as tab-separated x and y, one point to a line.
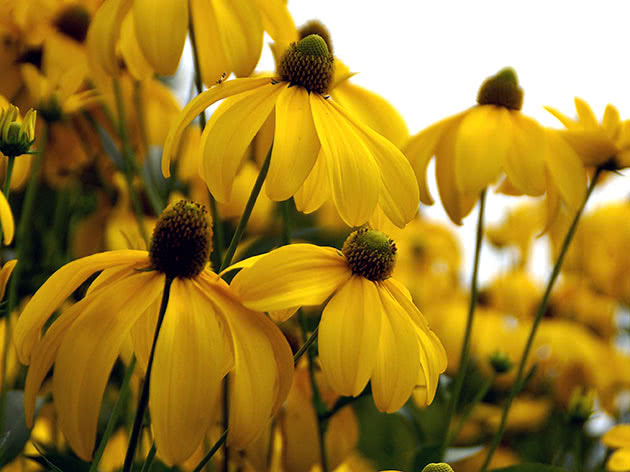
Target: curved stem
465	354
541	311
144	395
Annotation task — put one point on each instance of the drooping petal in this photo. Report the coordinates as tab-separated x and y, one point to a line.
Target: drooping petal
398	357
277	20
399	197
212	60
315	189
142	334
373	110
483	139
5	273
295	144
566	170
187	372
421	148
198	105
290	276
229	133
593	146
241	34
349	334
263	367
131	51
585	114
161	29
59	287
88	352
103	34
6	220
353	174
525	161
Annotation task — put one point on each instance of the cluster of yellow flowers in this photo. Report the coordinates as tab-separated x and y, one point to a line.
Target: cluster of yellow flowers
265	346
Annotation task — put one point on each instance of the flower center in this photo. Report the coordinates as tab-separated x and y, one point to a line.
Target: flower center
438	467
318	28
370	254
73	21
308	63
501	90
182	240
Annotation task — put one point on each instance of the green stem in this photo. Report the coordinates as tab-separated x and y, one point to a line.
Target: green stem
465	354
240	229
113	418
217	445
149	460
470	408
539	315
6	188
22	242
144	395
307	344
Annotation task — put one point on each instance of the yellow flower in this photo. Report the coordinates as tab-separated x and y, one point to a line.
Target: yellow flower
151	34
206	333
618	437
598	144
16	135
473	147
370	329
313	136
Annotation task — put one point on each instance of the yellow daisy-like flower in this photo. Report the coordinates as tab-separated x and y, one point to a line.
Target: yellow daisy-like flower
370	329
474	147
618	437
313	134
604	144
151	34
206	333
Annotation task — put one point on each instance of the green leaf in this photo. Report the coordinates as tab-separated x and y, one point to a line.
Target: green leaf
530	467
14	434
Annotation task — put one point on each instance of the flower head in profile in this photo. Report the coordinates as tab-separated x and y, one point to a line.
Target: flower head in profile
16	135
205	334
473	148
360	168
370	329
605	144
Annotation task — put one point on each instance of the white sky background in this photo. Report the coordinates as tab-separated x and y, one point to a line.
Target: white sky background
428	58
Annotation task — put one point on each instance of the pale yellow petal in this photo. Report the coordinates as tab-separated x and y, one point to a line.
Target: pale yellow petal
59	287
277	20
483	139
198	105
611	122
315	189
295	144
352	171
566	170
294	275
348	336
228	135
525	160
585	114
161	29
6	220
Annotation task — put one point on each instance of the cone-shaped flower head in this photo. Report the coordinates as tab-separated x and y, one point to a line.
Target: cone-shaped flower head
438	467
308	63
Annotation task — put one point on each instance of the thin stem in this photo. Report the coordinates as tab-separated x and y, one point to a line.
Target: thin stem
6	188
144	395
22	242
470	408
305	346
465	354
149	460
240	229
113	418
217	445
539	315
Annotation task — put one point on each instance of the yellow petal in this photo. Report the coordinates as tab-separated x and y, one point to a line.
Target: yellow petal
566	170
241	34
398	358
212	60
565	120
399	197
373	110
525	161
228	135
483	139
199	104
142	334
6	219
349	334
88	352
277	20
421	148
617	436
619	461
295	144
161	29
104	32
352	171
611	122
315	189
59	287
294	275
135	61
585	114
593	146
186	377
5	273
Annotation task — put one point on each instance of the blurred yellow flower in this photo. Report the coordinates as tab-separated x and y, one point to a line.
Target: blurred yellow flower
370	329
618	437
473	147
359	167
206	333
